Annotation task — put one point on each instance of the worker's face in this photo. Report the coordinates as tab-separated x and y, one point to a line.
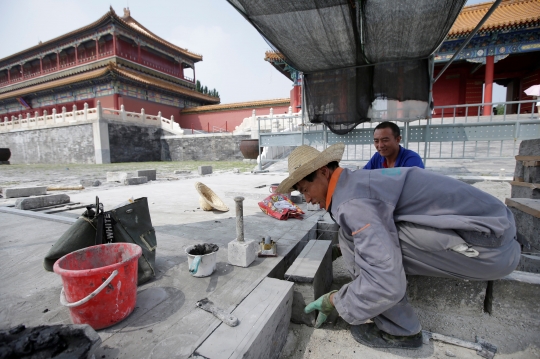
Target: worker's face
386	144
315	192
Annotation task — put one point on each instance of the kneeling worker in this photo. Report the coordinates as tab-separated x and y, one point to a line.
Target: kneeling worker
386	138
399	221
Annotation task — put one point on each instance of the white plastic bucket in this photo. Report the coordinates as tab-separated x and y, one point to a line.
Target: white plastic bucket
206	262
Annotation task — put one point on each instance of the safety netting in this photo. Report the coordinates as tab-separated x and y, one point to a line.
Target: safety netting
361	60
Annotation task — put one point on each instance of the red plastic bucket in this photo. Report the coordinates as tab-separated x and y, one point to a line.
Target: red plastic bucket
100	283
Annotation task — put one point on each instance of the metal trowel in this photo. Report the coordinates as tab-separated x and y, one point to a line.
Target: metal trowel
483	348
222	315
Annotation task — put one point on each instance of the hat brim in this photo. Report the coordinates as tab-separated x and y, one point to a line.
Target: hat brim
210	198
331	154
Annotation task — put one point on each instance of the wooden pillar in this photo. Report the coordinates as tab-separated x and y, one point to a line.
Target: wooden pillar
58	61
114	43
40	65
76	55
97	49
139	52
22	71
488	89
8	74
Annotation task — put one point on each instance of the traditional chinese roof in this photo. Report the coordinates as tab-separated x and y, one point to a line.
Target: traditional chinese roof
119	71
509	14
238	105
273	56
127	21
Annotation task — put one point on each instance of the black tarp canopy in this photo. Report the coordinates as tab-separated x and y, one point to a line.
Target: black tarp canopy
361	59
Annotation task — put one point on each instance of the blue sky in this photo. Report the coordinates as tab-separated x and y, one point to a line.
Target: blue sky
233	51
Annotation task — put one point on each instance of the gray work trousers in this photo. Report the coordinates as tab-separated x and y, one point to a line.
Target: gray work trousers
426	252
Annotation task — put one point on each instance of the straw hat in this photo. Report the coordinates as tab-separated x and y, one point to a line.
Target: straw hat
209	199
305	160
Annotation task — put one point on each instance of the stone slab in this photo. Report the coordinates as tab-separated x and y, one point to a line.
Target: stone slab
312	274
14	192
181	172
149	174
41	201
525	190
447	295
515	297
117	176
531	174
135	181
527	216
529	263
242	254
264	317
529	147
205	170
91	183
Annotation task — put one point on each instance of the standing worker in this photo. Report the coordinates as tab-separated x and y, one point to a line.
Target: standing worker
386	138
399	221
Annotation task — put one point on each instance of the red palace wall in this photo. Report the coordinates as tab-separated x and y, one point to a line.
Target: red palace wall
150	108
227	119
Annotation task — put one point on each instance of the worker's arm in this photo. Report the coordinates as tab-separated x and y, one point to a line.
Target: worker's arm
373	162
380	278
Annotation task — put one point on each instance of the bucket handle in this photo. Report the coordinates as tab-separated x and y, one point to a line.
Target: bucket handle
65	303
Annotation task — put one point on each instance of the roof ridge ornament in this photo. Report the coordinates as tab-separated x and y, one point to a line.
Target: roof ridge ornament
127	13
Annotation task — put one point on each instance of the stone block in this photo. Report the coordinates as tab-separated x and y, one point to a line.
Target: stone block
531	174
205	170
527	216
312	275
117	176
529	263
449	296
149	174
525	190
242	254
15	192
181	172
135	180
90	183
41	201
264	317
236	170
529	147
327	231
312	207
515	297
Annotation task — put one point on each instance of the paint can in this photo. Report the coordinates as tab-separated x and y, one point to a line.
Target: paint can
202	259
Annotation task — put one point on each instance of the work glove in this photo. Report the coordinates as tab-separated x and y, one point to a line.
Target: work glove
336	252
323	305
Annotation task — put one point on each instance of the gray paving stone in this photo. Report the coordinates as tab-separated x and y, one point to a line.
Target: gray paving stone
117	176
527	216
205	170
181	172
525	190
135	180
447	295
15	192
264	323
90	183
529	263
515	297
149	174
41	201
312	275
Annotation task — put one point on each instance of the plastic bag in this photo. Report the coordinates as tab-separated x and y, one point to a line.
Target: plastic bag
280	206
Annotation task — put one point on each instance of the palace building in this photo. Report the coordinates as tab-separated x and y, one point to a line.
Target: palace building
114	60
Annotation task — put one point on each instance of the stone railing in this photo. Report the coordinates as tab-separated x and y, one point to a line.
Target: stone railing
269	123
75	117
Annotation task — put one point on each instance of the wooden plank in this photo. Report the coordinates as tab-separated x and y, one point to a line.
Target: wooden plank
527	205
531	163
525	184
527	158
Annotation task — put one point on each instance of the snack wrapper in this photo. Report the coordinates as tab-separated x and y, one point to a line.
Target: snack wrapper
281	207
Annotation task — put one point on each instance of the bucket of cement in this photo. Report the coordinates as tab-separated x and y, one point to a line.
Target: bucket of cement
202	259
100	283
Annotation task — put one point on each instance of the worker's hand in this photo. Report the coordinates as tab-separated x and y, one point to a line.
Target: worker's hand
323	305
336	252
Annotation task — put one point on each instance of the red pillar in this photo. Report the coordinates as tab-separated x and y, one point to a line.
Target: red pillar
114	43
57	61
76	56
97	49
488	89
139	52
8	74
40	65
22	71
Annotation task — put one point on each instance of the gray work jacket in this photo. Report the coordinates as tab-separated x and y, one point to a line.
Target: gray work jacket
366	205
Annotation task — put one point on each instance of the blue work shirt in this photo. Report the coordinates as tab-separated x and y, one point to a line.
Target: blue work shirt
405	158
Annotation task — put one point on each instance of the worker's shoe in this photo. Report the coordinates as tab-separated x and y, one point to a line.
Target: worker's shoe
368	334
